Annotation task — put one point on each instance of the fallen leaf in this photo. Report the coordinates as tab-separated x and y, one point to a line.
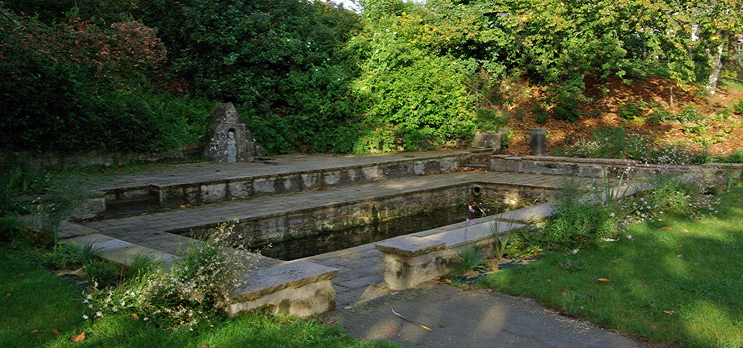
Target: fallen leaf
669	312
603	280
679	256
55	332
135	316
35	331
665	228
654	327
78	338
684	230
7	295
330	322
20	275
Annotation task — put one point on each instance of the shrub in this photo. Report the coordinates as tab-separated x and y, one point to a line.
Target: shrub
738	108
196	288
567	109
101	272
141	265
467	259
631	109
689	114
579	219
77	86
490	119
735	157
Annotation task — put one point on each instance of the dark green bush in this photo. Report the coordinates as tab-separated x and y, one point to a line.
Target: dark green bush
578	221
632	109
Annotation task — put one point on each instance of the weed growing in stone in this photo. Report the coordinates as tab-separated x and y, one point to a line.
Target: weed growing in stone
195	289
467	259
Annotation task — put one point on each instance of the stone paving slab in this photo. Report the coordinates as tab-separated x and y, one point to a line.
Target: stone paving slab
471	319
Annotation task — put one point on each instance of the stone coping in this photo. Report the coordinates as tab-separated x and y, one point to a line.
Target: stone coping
570	159
410	246
119	251
285	275
617	161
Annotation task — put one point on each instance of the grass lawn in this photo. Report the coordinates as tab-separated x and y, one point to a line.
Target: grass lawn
38	309
679	280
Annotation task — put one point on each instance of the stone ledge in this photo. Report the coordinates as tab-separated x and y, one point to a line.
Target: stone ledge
535	213
472	234
298	288
119	251
409	246
286	275
623	162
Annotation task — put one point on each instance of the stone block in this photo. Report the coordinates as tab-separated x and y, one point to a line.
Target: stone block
172	196
331	178
372	173
240	189
353	175
192	194
298	288
310	180
212	193
89	208
488	139
264	185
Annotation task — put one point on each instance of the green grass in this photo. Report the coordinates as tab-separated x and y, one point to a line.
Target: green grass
732	83
676	281
32	298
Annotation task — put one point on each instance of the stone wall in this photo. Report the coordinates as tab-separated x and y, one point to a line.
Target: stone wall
187	152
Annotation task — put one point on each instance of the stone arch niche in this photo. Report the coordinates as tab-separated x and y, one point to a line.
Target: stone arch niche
229	140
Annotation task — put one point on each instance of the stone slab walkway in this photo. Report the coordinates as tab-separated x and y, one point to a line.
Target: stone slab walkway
471	319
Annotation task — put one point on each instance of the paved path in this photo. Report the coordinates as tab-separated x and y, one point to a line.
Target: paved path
471	319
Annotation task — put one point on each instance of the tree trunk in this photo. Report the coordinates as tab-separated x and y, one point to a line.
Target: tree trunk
716	58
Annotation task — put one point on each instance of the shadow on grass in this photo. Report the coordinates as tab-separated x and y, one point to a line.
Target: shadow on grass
675	281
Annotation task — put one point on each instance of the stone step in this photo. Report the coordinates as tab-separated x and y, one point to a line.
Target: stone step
179	186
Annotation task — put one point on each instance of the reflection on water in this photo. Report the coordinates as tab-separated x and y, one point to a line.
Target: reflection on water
327	241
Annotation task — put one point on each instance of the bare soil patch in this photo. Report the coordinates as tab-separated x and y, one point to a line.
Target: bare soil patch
603	111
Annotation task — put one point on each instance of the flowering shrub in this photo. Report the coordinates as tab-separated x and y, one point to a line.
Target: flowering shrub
672	194
615	142
196	287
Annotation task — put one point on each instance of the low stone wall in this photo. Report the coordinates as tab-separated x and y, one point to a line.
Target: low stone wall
254	186
338	216
106	158
411	260
600	167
